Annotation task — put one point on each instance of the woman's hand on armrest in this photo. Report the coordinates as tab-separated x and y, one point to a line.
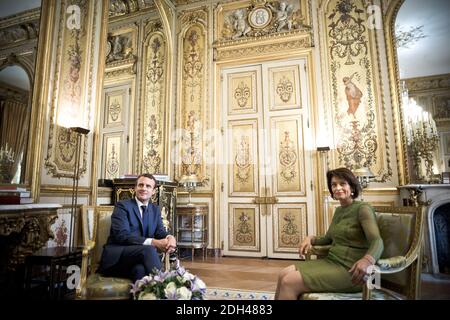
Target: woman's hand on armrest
305	245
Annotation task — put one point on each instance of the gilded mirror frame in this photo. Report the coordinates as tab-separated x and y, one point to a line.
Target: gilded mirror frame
394	83
27	66
22	52
39	97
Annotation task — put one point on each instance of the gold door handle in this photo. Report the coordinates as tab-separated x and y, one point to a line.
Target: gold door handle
271	200
259	200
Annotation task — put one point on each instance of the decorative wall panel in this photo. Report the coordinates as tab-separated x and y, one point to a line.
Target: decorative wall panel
244	157
290	167
358	107
114	109
155	106
114	130
112	155
194	116
71	89
290	226
242	93
244	224
284	90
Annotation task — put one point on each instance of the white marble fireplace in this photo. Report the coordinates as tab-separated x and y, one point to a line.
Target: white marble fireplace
436	197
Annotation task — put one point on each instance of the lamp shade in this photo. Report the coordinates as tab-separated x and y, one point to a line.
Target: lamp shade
189	180
363	172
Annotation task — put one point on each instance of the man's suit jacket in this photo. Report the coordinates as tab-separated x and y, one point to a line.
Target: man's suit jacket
127	229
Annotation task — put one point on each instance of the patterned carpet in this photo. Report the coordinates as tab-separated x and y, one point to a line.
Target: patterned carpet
237	294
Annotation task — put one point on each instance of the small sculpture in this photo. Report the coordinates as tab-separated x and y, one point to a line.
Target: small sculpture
283	15
240	25
120	48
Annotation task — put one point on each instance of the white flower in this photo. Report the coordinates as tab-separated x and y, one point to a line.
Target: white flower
147	296
198	284
171	290
184	293
188	277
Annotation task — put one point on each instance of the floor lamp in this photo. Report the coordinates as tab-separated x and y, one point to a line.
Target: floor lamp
76	177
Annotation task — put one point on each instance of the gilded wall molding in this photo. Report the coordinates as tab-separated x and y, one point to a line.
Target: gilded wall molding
431	83
19	28
228	53
72	89
390	10
359	114
126	7
194	114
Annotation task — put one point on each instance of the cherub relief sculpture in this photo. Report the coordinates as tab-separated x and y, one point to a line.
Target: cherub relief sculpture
353	93
120	47
283	15
240	25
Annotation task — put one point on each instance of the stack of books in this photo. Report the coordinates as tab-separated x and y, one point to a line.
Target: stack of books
10	194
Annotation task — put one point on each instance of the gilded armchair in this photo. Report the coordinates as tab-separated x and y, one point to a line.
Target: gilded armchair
96	224
401	229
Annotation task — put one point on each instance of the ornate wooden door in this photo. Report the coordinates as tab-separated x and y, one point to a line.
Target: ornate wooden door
266	203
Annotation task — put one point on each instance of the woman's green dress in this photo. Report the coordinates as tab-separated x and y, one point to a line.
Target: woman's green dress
353	233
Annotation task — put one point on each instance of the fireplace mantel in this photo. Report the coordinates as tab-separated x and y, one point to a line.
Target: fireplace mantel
432	196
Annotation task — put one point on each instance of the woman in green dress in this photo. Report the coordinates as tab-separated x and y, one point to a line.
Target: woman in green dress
355	245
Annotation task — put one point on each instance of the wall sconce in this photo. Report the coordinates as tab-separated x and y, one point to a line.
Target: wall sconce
76	177
189	183
364	175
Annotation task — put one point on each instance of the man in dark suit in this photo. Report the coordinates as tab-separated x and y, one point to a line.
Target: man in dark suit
137	232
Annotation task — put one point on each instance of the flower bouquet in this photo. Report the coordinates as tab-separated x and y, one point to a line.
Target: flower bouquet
176	284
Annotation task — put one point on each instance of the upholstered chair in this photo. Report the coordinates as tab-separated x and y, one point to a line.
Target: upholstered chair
401	229
96	224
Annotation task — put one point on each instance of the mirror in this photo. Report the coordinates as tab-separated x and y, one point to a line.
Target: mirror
19	28
421	32
15	113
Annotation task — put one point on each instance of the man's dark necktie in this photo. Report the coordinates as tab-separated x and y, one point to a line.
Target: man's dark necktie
145	220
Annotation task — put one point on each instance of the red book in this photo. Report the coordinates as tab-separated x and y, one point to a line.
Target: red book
12	187
25	194
15	200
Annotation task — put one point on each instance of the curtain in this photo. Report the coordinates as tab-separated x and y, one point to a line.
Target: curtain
14	129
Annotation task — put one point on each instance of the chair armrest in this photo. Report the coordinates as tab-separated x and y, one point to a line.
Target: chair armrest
319	251
84	268
392	265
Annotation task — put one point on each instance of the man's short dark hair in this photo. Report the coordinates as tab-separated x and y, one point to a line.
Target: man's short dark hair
146	175
347	175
